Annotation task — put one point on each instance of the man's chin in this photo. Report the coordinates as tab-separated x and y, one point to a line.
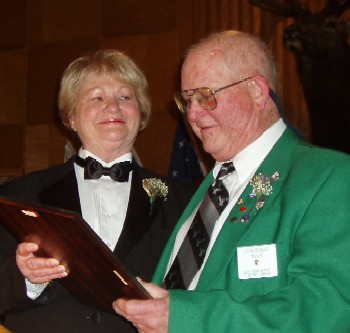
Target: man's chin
209	148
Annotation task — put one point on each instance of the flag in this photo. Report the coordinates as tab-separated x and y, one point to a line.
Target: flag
184	165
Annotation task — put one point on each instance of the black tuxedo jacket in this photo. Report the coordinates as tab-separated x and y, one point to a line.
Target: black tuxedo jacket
139	247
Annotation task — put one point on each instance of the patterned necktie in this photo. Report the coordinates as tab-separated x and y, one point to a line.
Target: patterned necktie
194	247
94	170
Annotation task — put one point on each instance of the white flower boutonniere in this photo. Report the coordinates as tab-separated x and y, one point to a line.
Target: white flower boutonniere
155	188
262	188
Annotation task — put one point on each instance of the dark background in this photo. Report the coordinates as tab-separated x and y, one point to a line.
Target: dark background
39	38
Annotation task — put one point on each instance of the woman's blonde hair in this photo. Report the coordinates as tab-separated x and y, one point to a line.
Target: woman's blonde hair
110	62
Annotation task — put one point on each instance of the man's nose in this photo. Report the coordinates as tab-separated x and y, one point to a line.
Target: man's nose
194	110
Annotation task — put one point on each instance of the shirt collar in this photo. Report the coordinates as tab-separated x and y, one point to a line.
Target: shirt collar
83	153
248	160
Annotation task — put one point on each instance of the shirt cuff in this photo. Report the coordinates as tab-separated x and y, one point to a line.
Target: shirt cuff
34	290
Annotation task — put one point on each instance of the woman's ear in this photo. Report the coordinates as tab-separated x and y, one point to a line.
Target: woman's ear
72	124
260	91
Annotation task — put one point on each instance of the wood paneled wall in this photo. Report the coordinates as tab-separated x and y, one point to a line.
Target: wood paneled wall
41	37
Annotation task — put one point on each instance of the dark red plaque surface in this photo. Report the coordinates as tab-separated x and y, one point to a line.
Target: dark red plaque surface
96	277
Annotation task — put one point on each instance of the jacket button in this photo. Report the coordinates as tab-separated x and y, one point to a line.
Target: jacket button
96	317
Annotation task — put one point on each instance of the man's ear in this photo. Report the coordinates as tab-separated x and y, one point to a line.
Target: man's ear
260	91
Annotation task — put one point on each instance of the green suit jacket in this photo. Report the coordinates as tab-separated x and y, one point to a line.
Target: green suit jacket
307	216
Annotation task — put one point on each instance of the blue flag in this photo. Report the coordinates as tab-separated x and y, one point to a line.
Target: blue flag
184	165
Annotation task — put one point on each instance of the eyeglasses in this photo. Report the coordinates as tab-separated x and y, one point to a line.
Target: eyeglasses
204	96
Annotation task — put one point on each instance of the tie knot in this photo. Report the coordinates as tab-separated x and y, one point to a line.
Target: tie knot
94	169
226	169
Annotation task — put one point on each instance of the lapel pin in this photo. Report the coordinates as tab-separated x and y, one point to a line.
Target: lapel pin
240	201
234	219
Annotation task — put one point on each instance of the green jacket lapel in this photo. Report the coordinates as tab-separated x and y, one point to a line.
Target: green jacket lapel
233	230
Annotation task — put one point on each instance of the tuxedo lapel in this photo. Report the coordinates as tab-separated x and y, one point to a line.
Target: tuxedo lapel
63	192
236	226
138	216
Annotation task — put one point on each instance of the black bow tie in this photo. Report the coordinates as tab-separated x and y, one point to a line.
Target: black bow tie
93	169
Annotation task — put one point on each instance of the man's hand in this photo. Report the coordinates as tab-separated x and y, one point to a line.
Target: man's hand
148	316
35	269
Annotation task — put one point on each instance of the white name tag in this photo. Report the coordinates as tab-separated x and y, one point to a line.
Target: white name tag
257	261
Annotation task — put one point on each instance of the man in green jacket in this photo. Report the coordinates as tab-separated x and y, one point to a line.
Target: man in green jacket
277	259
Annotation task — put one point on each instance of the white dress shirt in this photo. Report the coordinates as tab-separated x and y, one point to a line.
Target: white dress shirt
103	201
246	163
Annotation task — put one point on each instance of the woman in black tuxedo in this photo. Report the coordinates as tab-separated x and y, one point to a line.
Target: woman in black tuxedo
103	98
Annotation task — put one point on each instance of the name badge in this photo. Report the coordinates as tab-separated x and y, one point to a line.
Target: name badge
255	262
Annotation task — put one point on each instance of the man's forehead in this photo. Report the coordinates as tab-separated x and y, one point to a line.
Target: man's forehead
210	64
209	51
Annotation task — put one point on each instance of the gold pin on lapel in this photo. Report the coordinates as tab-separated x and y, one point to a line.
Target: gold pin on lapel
240	201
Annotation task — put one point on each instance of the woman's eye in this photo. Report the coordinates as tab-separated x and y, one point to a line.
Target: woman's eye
97	98
125	98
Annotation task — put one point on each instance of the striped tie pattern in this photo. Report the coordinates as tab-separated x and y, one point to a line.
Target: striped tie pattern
194	247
